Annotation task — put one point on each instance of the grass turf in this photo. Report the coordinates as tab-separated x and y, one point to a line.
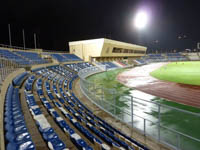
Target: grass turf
108	81
179	72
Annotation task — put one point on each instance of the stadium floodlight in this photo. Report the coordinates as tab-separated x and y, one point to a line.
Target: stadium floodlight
141	20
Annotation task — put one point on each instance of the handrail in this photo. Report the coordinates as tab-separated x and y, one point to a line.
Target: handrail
84	84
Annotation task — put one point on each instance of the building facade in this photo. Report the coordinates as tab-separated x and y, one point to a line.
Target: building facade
105	50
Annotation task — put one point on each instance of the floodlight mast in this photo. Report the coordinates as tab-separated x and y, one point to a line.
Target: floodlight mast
9	34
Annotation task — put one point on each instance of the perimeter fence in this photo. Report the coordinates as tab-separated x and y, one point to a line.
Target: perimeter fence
150	118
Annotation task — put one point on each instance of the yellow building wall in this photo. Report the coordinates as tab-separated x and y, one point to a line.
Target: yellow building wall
103	48
87	49
108	47
77	50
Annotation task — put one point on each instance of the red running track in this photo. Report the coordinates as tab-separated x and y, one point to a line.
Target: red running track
139	78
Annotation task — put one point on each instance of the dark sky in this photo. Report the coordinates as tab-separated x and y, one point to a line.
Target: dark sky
58	21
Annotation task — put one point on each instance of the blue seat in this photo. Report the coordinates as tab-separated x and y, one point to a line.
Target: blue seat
37	111
43	99
78	117
20	128
81	144
48	105
27	145
50	96
56	144
71	131
101	135
57	104
46	130
61	100
63	124
18	138
18	80
40	92
55	114
49	135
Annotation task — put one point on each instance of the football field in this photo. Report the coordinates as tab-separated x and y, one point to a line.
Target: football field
179	72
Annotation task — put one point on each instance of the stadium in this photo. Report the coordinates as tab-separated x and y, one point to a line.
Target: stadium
99	75
104	94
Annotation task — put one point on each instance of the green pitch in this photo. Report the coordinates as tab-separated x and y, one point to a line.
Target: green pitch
179	72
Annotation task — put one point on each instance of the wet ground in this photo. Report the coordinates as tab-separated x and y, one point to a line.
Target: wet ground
171	94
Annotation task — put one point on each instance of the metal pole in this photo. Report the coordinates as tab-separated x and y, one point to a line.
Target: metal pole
35	42
144	127
24	42
178	141
159	118
115	102
9	34
94	88
132	111
102	95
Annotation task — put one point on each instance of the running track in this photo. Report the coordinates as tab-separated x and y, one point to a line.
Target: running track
139	78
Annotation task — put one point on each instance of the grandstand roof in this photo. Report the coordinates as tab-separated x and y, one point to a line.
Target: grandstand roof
105	41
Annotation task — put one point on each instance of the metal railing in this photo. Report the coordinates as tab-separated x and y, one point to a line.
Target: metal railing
149	125
6	67
14	47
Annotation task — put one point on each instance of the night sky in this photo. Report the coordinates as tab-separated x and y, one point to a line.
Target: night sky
56	22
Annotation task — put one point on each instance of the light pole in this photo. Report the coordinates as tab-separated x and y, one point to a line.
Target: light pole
23	34
9	34
35	41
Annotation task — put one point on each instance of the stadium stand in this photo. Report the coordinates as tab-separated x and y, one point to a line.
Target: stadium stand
59	57
16	132
169	57
33	58
52	139
72	57
109	65
66	57
77	67
51	89
122	63
118	64
54	89
140	61
193	56
13	57
176	57
77	114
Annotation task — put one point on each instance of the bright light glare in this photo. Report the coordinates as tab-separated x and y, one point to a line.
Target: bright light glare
141	20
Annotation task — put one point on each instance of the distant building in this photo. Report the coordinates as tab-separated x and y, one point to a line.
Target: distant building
106	50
